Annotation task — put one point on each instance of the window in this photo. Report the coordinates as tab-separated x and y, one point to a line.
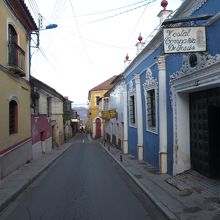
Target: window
193	60
151	109
105	104
12	42
13	117
97	98
16	55
132	109
49	103
36	106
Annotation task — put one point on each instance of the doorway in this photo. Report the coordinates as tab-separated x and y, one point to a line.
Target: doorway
205	132
98	128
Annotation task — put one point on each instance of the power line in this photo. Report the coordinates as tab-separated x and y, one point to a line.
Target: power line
58	8
107	45
80	34
120	13
115	9
132	32
34	8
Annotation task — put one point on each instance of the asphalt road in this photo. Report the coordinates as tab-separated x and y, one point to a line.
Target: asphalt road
84	184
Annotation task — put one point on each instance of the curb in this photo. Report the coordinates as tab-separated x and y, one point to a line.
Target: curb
20	189
168	214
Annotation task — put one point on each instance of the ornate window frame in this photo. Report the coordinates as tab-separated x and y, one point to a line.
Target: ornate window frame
132	93
151	84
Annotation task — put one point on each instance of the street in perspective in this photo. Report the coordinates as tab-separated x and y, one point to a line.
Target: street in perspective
84	183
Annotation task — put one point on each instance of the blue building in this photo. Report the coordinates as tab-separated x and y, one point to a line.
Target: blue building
173	98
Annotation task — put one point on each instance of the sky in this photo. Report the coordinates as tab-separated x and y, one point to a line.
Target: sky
91	41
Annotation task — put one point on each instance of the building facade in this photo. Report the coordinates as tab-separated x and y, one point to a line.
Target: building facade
67	116
47	118
15	139
95	122
112	111
173	98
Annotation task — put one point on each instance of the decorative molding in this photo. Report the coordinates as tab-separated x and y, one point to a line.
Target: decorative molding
204	61
189	7
131	88
14	98
206	72
161	62
151	82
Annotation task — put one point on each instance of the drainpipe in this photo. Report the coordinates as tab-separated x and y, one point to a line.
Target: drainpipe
162	114
139	118
125	119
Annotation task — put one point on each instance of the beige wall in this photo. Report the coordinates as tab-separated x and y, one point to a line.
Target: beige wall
20	89
7	18
12	86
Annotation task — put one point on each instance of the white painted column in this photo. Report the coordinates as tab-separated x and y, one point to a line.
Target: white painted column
162	114
139	118
125	119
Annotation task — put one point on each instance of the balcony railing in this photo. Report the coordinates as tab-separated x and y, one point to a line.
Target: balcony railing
16	59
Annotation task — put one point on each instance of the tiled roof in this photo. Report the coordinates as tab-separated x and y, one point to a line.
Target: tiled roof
22	12
106	85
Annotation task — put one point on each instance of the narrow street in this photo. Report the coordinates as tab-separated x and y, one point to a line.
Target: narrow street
85	183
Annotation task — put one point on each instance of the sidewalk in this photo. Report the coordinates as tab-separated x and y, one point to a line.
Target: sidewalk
186	196
12	185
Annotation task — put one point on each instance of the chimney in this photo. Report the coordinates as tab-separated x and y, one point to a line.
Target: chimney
139	44
164	13
127	61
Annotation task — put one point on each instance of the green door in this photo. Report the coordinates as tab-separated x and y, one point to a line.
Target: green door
205	131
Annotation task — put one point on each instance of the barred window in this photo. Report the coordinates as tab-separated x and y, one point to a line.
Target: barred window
132	110
151	109
13	117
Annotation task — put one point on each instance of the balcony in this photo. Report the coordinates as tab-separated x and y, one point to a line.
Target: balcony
16	59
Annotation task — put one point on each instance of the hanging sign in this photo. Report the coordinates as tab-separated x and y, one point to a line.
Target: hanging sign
184	39
109	114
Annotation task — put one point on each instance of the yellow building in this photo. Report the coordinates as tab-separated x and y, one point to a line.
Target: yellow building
15	122
94	119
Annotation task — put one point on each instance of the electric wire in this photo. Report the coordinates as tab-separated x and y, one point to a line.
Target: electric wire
80	34
58	8
35	9
115	9
138	21
120	13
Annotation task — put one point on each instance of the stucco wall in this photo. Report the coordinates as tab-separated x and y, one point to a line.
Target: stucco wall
6	18
12	160
14	87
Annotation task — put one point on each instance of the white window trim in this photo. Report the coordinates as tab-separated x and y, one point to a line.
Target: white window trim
151	84
132	92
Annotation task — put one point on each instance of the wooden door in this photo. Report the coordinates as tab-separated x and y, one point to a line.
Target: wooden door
98	128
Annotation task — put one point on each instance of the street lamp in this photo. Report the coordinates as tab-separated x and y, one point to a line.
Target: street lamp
51	26
37	33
